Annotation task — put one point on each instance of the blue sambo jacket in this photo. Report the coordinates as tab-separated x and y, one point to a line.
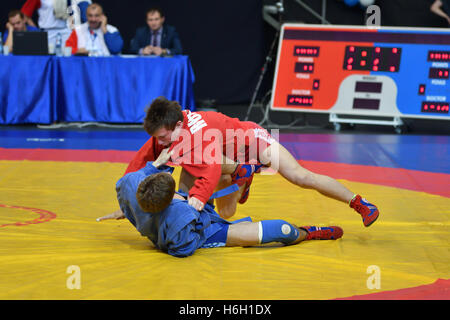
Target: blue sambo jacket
178	230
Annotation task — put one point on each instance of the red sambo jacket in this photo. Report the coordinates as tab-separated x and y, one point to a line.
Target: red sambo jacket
205	137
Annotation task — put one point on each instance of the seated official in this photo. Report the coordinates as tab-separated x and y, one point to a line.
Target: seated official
16	22
156	38
95	37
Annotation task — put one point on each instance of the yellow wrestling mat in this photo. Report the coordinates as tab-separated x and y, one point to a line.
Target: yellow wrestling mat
41	254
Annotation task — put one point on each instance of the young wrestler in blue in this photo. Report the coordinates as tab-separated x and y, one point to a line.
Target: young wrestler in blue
178	229
148	200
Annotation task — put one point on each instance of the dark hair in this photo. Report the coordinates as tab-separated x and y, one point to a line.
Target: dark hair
95	6
155	9
14	13
162	113
155	192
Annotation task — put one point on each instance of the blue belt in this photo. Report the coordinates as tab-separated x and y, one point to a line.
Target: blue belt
218	194
225	191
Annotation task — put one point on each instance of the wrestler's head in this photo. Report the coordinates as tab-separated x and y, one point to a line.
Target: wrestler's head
164	121
155	192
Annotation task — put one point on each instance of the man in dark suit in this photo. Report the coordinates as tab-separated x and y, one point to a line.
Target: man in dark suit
156	39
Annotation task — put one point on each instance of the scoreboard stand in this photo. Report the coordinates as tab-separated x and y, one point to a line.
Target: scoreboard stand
396	122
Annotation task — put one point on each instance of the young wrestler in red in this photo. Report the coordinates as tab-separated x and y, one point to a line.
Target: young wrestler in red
201	138
197	138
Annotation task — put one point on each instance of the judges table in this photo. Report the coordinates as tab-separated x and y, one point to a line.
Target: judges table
48	89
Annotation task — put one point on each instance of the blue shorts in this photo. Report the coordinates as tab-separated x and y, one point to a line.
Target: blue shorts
218	239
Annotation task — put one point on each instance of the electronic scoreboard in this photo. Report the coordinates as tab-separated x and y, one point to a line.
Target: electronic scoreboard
394	72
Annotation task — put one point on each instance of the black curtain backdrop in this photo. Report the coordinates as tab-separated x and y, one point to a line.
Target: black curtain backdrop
227	41
337	12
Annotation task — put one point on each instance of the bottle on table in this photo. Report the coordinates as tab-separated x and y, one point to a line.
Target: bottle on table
1	43
58	46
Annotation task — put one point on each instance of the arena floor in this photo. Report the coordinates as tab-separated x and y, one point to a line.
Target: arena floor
55	183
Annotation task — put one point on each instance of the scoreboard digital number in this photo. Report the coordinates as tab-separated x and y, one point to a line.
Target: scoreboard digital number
372	58
395	72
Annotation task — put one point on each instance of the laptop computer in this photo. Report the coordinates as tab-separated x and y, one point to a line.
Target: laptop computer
30	43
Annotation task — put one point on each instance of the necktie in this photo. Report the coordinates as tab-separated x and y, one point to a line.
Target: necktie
154	38
93	36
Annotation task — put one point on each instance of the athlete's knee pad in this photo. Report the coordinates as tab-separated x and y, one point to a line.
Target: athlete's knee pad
277	231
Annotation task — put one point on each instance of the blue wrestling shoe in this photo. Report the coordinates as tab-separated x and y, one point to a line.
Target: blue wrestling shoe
323	233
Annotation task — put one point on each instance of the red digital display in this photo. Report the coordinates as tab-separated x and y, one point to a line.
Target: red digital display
438	73
364	86
435	107
316	84
370	104
443	56
306	51
296	100
372	59
304	67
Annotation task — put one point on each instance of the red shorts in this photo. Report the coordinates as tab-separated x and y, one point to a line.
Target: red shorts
257	140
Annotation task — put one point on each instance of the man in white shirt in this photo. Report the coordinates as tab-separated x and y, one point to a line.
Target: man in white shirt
95	37
53	15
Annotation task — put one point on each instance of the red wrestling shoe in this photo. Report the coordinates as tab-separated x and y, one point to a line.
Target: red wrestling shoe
323	233
243	172
246	192
368	211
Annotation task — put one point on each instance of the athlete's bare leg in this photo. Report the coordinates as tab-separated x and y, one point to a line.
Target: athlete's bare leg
281	160
226	206
186	181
